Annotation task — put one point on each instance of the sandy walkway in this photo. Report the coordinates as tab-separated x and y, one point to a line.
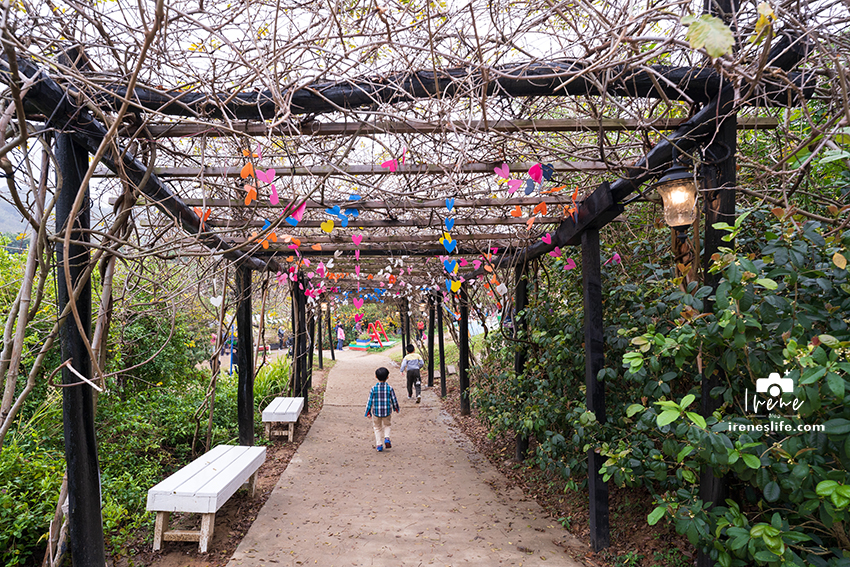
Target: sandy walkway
430	500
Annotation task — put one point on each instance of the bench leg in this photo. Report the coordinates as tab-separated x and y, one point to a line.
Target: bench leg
291	431
207	529
159	528
268	430
252	484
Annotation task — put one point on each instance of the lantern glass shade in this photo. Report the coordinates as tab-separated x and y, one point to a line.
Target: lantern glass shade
678	192
324	307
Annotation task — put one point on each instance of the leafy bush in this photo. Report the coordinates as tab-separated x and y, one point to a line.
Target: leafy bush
780	306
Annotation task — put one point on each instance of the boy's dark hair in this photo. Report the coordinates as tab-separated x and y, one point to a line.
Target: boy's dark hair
410	348
382	374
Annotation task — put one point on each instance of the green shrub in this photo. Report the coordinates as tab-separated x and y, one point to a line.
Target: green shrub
781	305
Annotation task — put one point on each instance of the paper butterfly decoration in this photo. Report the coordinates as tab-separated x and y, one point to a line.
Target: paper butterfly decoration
556	253
327	226
569	264
358	303
203	215
247	171
216	301
536	173
298	214
450	203
547	170
392	164
529	186
268	177
503	172
513	185
357	239
252	194
540	208
547	238
450	223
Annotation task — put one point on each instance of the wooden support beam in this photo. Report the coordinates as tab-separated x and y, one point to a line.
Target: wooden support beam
301	339
463	347
431	303
440	343
244	356
233	172
594	342
311	333
402	204
562	78
520	349
84	498
319	335
48	98
420	223
331	342
184	129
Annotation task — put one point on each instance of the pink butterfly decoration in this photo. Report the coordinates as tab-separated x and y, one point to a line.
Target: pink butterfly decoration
615	259
504	171
310	275
358	317
259	151
357	254
494	250
358	303
569	264
547	238
556	253
536	173
462	263
357	239
392	164
281	278
513	185
476	264
274	198
298	214
356	270
266	176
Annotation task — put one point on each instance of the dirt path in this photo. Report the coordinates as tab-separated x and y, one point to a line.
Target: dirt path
430	500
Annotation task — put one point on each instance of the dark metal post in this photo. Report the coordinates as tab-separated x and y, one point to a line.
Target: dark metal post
463	363
319	335
720	179
405	304
401	327
430	340
84	498
594	361
440	342
520	350
331	340
244	357
311	332
301	341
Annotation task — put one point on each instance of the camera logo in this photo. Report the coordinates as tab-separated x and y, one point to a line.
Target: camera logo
774	385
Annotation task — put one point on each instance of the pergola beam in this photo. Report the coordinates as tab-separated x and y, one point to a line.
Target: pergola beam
313	128
558	78
373	169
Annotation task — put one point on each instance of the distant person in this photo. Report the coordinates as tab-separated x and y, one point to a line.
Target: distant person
340	336
413	362
280	335
382	403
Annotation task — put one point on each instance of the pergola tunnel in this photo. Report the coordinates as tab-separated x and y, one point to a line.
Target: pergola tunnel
344	189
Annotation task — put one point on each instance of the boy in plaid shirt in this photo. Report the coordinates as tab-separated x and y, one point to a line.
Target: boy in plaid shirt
382	403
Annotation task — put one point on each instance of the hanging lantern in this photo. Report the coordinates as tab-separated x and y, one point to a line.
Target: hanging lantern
678	193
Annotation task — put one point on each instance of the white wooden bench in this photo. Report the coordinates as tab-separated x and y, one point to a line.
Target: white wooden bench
202	487
283	410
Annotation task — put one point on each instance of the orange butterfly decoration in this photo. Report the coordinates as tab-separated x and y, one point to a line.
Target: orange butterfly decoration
247	171
517	212
555	189
530	222
541	208
252	194
202	215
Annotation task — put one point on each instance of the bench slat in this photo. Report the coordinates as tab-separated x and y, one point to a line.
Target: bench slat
284	410
205	484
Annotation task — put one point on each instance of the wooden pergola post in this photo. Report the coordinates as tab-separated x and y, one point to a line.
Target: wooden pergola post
331	342
244	357
401	326
463	363
319	334
405	304
520	350
594	361
430	340
300	355
440	342
311	334
84	498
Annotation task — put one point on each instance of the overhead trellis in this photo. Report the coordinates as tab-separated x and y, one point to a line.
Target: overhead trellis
437	149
